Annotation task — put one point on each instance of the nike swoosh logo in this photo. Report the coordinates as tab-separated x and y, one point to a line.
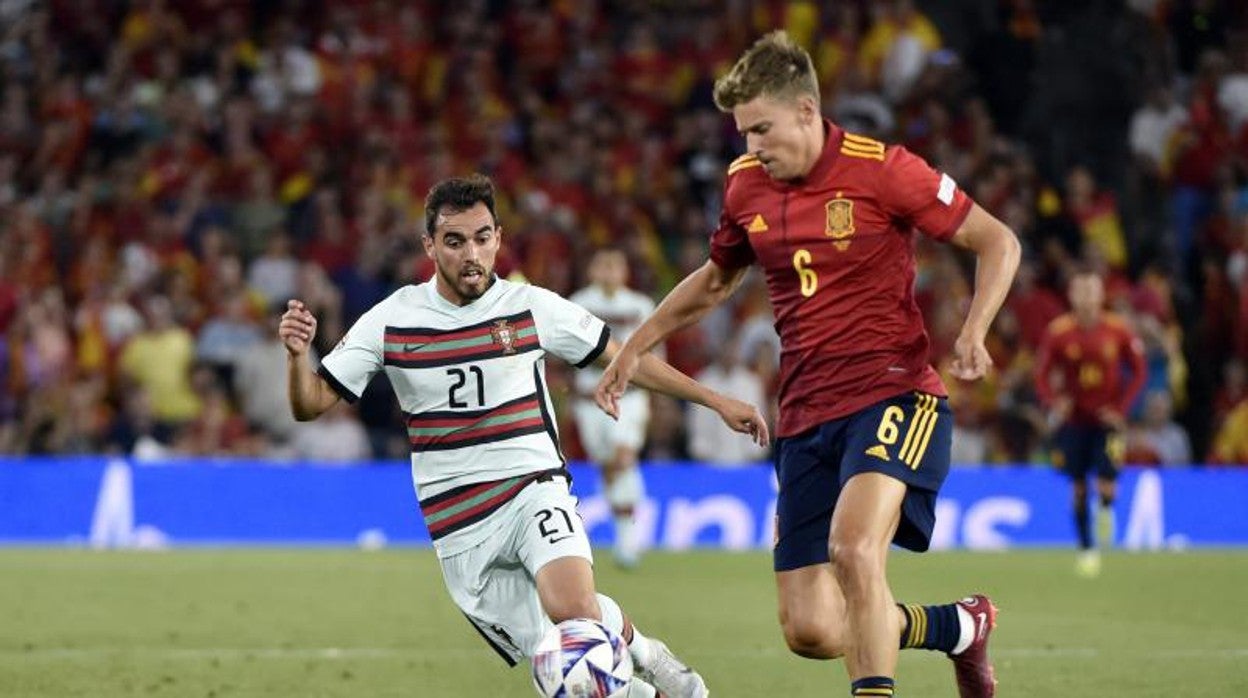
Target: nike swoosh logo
983	625
552	541
409	348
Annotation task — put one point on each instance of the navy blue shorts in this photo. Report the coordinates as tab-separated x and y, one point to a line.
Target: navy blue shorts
1080	449
907	437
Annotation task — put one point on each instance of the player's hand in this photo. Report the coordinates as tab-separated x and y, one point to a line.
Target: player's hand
297	329
970	359
615	380
1062	408
743	418
1112	419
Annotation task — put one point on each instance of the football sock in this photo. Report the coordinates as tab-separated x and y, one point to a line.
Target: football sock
873	686
613	618
623	495
1105	523
1084	525
934	627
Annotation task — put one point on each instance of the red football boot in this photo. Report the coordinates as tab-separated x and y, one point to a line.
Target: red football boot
972	667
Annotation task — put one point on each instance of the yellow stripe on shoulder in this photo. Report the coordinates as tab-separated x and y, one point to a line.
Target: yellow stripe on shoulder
1061	323
864	154
862	141
1116	320
743	158
743	163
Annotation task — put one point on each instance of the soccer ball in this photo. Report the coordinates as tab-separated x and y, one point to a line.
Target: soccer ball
581	658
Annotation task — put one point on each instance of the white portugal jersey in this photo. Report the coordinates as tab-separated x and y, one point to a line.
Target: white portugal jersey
471	383
623	311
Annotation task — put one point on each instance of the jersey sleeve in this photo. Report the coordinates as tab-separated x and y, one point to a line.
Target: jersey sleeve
912	190
357	358
567	330
730	244
1133	352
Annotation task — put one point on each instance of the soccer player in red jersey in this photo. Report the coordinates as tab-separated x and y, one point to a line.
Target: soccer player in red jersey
831	217
1090	369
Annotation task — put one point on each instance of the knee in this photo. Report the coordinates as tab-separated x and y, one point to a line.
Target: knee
807	638
572	606
855	563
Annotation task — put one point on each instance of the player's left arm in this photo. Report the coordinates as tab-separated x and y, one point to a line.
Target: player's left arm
1138	365
656	374
911	190
997	252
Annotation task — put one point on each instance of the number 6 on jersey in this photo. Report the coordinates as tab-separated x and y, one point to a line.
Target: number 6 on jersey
807	276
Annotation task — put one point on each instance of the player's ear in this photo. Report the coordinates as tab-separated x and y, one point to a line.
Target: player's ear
426	240
807	109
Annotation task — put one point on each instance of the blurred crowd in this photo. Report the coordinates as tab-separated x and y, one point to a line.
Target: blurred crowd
172	172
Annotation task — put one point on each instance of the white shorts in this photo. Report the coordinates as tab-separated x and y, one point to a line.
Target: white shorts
494	582
602	436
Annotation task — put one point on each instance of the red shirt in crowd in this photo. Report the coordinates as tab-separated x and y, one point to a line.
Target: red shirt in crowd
837	250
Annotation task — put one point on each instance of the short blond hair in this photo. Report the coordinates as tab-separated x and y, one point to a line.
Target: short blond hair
774	66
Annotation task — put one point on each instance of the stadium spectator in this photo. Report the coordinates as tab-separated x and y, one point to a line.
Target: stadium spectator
153	148
338	437
1158	440
709	440
158	360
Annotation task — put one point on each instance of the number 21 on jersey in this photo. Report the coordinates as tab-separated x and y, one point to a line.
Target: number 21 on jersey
805	275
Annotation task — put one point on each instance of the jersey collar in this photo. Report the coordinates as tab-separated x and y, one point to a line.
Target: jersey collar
827	158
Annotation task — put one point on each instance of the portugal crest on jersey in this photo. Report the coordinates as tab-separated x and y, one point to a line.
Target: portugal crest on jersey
840	221
504	335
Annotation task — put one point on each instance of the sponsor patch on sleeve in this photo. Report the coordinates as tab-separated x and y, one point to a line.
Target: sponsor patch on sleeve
947	187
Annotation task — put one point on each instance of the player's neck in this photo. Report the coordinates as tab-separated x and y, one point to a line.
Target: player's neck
817	142
1087	320
609	291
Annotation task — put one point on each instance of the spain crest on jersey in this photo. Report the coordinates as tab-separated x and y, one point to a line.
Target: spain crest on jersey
840	221
503	334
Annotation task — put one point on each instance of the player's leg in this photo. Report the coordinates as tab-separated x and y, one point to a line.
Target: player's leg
896	458
614	446
559	559
1109	458
625	488
867	513
1075	457
814	611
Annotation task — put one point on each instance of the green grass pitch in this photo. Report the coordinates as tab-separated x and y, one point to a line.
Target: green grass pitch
232	623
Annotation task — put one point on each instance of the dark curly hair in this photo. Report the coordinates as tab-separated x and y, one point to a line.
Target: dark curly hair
458	194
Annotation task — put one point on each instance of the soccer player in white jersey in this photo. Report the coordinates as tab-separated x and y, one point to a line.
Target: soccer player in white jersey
614	445
464	352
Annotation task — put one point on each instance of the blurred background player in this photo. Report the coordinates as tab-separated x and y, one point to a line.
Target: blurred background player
1089	372
614	445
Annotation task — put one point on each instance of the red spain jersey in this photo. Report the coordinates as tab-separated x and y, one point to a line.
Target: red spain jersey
1096	367
837	250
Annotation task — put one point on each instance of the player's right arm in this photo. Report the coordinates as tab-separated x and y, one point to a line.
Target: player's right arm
310	396
688	303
